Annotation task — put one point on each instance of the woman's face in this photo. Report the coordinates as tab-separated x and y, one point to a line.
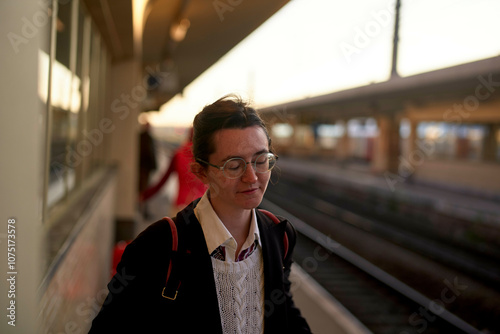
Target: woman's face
246	191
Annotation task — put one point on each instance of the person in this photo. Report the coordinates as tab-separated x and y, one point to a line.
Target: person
233	261
147	160
189	186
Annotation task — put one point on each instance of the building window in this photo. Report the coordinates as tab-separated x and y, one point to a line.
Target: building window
76	101
453	142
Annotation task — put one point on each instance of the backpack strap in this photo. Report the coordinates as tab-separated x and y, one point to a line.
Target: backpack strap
177	256
277	221
173	282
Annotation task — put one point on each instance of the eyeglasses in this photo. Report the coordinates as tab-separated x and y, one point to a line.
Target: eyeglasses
236	167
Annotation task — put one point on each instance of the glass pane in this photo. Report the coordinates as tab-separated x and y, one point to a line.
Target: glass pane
43	64
448	141
91	151
75	119
60	103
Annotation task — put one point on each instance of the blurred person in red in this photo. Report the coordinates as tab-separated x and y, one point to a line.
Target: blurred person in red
190	187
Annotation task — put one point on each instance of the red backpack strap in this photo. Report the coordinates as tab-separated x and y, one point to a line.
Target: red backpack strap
277	221
172	283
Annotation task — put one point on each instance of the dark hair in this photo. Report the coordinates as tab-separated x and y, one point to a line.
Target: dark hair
228	112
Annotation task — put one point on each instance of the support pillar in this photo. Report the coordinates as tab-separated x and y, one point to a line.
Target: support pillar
342	149
491	143
294	138
412	138
386	151
127	92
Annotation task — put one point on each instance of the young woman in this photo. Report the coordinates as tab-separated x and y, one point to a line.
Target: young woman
233	262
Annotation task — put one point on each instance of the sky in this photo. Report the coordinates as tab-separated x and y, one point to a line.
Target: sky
316	47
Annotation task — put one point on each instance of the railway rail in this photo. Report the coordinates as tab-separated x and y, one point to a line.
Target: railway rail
405	228
378	298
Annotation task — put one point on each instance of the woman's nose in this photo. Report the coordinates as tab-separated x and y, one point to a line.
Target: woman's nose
249	176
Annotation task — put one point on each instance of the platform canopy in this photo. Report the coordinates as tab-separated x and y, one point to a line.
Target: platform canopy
465	83
212	28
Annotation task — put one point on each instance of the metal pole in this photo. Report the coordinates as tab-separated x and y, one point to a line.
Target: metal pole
394	70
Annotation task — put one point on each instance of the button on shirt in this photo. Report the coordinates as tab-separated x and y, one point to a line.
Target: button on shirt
221	244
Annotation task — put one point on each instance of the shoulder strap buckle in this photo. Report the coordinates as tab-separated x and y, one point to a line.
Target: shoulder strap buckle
171	298
173	282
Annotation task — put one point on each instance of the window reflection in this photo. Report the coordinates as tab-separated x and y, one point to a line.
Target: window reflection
75	104
61	78
454	142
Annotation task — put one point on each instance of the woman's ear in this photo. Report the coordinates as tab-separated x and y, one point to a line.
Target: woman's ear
199	171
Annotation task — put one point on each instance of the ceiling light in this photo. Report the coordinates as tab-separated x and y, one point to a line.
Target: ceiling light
178	30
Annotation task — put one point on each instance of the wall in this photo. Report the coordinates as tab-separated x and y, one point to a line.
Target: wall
22	135
76	289
480	177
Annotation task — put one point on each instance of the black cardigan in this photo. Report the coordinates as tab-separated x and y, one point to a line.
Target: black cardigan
135	303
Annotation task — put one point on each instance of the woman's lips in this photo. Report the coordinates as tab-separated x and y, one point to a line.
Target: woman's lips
250	191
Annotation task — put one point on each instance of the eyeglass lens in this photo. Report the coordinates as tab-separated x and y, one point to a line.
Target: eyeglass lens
236	167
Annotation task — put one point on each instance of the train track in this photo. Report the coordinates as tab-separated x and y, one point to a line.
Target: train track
379	301
402	313
397	228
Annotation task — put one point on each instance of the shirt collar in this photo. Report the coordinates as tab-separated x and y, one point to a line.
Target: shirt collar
216	233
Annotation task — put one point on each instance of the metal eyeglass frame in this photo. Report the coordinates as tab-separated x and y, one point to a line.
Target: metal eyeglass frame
246	163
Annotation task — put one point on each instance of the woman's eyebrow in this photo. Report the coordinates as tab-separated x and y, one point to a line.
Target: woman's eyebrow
261	152
228	157
237	156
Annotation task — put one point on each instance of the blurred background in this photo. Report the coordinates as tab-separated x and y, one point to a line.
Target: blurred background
385	116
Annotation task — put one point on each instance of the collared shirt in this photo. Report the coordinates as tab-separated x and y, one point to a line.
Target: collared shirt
221	244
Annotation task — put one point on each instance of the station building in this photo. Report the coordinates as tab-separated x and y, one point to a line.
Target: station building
77	74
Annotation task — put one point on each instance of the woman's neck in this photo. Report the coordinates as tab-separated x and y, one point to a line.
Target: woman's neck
236	220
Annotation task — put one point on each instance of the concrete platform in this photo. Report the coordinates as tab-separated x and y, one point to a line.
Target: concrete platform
323	312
